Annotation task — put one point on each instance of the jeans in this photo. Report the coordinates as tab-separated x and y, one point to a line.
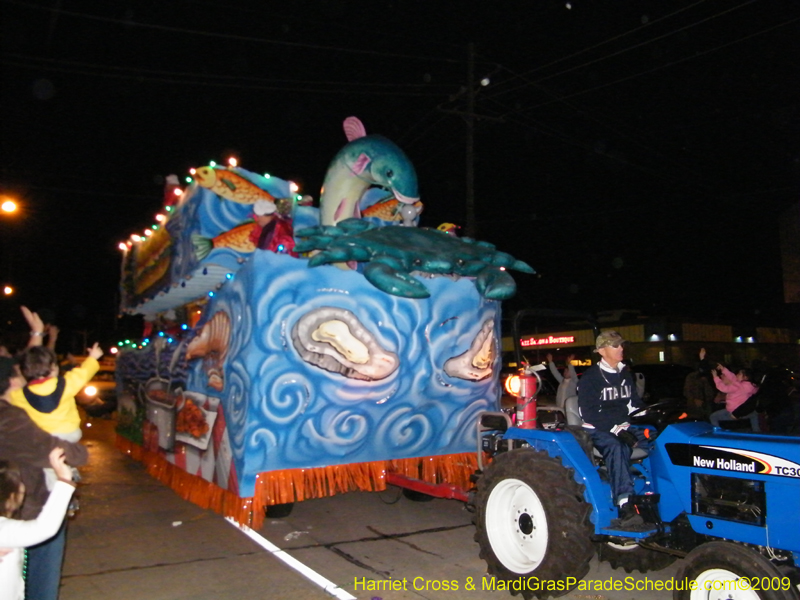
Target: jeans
723	415
617	456
44	567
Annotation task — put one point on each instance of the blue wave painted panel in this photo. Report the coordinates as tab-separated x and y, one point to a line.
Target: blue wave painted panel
288	404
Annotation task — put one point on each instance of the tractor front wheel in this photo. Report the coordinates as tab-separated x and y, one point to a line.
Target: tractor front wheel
727	571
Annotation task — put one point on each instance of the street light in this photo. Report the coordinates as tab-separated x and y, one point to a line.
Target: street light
8	205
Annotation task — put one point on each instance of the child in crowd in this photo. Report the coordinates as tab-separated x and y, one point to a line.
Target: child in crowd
17	535
49	399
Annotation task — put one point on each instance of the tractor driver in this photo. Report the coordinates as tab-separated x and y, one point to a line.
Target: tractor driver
606	396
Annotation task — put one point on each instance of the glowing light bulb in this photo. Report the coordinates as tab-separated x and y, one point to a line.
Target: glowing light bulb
512	385
193	171
148	232
212	164
177	191
161	218
233	162
122	246
136	238
293	187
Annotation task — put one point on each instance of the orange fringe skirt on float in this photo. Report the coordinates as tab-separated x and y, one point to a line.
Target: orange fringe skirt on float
295	485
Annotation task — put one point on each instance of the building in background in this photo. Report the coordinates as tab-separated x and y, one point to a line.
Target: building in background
663	340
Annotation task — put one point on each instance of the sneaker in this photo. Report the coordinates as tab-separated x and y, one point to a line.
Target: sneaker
628	518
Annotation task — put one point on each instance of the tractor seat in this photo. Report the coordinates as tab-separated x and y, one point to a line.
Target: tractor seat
574	419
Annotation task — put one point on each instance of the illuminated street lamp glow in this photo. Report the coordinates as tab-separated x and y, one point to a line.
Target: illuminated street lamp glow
9	206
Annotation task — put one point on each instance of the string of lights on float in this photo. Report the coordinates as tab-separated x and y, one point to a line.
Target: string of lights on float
174	195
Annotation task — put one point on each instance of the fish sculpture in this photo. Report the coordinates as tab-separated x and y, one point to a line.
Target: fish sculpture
237	239
389	210
231	186
366	161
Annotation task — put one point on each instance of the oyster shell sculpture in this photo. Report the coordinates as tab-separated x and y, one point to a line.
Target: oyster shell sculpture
335	340
211	344
476	363
394	254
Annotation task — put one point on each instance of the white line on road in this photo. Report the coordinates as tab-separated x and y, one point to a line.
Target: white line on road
327	585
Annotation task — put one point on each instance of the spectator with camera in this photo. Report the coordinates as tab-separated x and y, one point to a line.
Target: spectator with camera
737	389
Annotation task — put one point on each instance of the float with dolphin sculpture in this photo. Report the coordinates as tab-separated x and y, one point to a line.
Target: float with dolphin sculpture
369	353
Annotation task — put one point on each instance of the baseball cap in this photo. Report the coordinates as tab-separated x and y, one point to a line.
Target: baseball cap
608	338
264	207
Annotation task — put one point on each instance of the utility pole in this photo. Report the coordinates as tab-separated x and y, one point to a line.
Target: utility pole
470	229
469	115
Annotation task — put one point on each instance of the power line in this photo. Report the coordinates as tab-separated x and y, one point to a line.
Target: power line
228	36
635	46
612	39
588	115
312	87
189	78
667	65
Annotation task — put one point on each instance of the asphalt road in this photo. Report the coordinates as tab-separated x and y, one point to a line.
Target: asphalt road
135	538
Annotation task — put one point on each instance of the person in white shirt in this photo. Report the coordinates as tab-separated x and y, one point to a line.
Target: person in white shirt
15	534
567	381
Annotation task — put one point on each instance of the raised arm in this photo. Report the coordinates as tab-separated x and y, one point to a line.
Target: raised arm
553	369
36	326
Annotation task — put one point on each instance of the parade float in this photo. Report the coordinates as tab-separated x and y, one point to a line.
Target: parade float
294	351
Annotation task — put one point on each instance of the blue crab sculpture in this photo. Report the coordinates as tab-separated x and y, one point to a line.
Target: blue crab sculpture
394	254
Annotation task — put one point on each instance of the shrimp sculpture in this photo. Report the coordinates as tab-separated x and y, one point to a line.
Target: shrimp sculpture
212	346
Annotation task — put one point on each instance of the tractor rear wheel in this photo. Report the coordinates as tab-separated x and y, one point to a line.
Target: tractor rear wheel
532	524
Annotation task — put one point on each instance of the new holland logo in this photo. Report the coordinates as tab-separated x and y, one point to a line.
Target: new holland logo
731	459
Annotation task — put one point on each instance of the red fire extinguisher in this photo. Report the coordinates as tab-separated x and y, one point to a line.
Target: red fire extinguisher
526	407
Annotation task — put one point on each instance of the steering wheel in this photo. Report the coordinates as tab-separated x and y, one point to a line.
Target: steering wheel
641	412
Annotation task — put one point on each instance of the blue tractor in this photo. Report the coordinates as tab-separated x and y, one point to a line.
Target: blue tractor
727	502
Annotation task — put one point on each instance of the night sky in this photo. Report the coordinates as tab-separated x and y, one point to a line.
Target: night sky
637	154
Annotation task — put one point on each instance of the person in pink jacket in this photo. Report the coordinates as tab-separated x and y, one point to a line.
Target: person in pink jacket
737	388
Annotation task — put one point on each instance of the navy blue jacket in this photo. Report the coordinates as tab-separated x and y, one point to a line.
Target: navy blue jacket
606	397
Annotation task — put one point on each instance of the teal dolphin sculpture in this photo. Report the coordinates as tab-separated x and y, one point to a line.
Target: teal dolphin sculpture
366	161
